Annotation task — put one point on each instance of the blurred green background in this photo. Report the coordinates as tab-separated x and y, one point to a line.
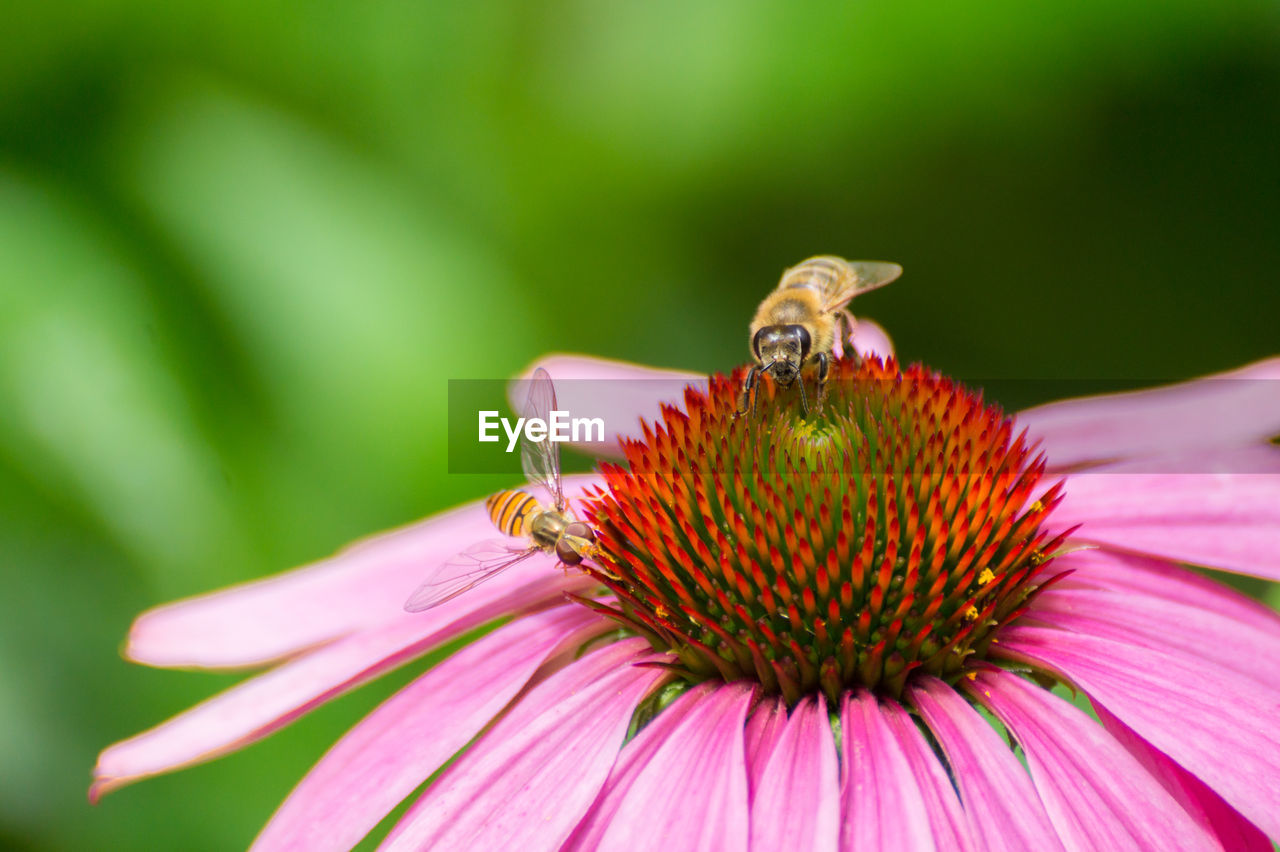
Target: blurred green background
243	247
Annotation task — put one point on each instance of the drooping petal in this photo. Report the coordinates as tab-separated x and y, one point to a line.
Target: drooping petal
797	805
364	584
634	759
1162	624
397	746
256	707
1216	723
883	806
1233	831
764	727
1227	409
266	619
1225	521
1003	807
687	789
1103	569
528	781
950	827
1096	793
617	392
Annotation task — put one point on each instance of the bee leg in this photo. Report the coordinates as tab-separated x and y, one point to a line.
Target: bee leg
748	395
804	399
824	367
844	336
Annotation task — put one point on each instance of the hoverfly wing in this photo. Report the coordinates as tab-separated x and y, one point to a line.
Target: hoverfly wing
867	275
541	459
466	570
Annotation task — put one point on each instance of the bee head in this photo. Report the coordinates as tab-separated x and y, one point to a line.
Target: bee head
781	349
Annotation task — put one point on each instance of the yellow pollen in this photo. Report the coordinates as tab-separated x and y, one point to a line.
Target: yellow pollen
985	577
971	675
1037	506
806	429
971	614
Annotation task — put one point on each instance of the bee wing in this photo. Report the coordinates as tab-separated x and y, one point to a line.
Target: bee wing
465	571
541	460
868	275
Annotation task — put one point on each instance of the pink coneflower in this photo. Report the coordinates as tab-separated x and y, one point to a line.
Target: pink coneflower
847	632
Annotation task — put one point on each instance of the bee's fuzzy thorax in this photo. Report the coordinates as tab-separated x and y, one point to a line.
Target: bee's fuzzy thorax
887	537
797	307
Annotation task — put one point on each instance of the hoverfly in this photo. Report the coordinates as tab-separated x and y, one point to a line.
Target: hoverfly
799	322
518	514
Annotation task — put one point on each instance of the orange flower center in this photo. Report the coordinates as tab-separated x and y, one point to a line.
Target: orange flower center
890	533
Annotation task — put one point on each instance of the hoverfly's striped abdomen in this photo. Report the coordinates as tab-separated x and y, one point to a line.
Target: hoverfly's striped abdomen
511	511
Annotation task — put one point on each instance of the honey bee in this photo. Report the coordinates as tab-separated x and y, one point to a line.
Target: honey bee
798	324
518	514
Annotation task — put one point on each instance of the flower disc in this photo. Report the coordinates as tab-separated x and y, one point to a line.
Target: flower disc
889	533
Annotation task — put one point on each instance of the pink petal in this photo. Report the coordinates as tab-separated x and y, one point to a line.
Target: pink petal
870	339
364	584
883	806
528	781
1226	521
397	746
686	790
1217	724
1003	808
764	727
261	621
1096	793
798	800
615	391
634	759
256	707
1163	625
1233	831
1228	409
946	818
1255	458
1103	569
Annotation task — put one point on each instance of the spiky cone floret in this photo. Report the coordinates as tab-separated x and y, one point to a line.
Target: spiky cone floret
888	535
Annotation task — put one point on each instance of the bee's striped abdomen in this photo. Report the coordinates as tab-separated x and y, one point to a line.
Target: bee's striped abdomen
511	511
824	275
